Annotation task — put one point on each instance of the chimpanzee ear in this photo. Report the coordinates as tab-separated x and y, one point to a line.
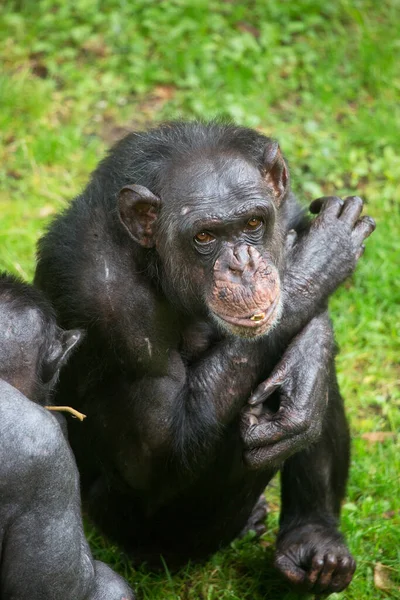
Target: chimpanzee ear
138	210
60	351
275	171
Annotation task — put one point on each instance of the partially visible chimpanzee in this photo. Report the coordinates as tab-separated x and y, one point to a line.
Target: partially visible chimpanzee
180	260
43	551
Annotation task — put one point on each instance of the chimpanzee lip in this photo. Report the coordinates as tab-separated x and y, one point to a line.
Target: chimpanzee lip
246	321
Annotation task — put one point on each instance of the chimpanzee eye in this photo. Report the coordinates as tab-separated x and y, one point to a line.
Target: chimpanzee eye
203	237
254	223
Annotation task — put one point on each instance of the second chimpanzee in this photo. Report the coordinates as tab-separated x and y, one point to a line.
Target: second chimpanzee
180	260
43	551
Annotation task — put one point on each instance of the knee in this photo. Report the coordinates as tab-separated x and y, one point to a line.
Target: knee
110	585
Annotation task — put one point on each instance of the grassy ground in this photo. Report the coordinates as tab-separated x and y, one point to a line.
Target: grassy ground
321	77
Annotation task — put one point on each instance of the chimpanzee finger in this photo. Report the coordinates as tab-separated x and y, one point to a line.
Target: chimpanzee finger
267	387
249	419
325	577
352	209
249	416
343	574
264	434
285	425
259	516
363	229
329	206
360	252
291	571
317	564
260	529
271	455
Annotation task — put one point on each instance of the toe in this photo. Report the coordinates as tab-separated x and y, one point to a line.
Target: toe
317	564
343	574
325	578
294	574
260	529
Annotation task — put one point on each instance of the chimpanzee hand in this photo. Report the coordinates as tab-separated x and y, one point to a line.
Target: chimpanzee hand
324	256
314	558
300	381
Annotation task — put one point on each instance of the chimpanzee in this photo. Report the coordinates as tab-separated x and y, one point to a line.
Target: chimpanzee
43	551
203	287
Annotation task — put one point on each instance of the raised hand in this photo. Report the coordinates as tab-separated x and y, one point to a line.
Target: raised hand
301	383
323	256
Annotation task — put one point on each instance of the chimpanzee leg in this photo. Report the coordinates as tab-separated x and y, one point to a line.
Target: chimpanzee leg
44	552
311	553
257	518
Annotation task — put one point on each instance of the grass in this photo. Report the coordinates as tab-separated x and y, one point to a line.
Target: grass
324	79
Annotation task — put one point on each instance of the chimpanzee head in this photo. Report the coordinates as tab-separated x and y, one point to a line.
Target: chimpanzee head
212	216
32	347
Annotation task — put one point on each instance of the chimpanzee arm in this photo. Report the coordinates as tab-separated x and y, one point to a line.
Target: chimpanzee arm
301	378
321	259
188	407
205	401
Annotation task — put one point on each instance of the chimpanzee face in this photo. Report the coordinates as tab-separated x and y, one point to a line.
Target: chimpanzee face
217	239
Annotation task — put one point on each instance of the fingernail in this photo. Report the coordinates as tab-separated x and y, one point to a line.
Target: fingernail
256	410
254	400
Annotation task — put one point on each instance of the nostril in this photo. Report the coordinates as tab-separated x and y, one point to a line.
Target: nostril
236	252
241	253
236	270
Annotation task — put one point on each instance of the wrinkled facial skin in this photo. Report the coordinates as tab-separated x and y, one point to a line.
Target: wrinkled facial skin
246	292
228	249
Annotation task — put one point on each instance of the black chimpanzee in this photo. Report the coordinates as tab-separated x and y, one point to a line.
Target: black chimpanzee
180	260
43	551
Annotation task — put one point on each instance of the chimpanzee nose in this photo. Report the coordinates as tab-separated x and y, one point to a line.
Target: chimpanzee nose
244	258
238	264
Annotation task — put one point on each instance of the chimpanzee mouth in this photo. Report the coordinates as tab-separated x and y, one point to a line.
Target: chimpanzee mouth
258	319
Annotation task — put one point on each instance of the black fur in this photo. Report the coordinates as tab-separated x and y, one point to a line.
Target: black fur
166	447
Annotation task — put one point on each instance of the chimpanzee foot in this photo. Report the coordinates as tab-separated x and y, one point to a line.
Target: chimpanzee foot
315	558
257	518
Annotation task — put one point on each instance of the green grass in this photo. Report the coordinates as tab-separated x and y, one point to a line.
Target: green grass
324	79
